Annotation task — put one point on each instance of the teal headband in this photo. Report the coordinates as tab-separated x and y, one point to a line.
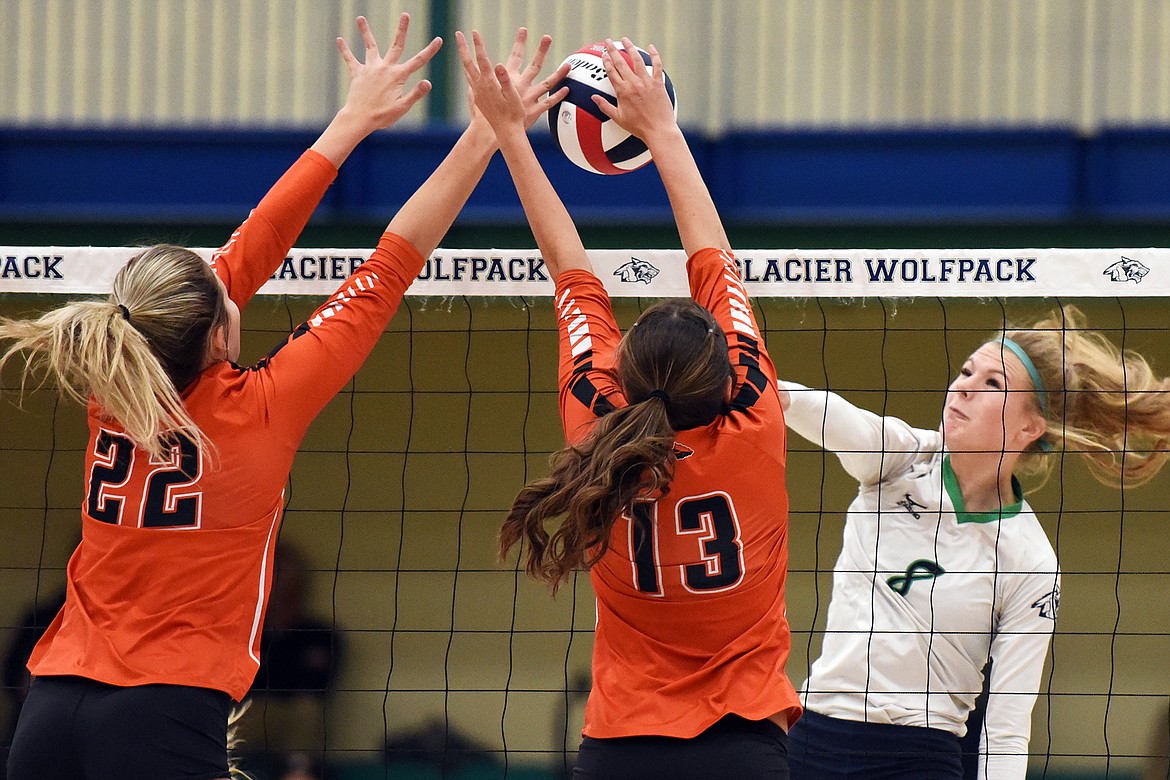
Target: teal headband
1037	382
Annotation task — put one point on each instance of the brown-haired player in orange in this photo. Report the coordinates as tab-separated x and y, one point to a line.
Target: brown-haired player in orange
189	452
671	489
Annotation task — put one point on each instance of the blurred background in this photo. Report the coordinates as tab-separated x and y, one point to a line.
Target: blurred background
396	645
818	122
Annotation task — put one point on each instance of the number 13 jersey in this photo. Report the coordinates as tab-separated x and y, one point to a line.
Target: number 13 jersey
690	594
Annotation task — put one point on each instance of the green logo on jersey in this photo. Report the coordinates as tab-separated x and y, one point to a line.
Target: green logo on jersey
921	569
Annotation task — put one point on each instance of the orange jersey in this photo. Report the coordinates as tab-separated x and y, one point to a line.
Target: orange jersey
690	593
171	578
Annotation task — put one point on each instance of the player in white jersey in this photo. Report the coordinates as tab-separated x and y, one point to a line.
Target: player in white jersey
944	565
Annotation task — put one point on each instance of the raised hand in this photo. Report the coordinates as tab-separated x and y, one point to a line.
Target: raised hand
644	109
377	86
534	94
643	105
508	95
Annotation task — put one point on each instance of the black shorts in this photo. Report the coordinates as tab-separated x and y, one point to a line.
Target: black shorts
827	748
732	747
72	728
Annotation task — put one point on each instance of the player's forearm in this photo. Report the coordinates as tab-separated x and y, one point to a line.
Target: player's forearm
816	415
698	222
994	764
257	248
867	444
342	136
1019	648
427	216
553	228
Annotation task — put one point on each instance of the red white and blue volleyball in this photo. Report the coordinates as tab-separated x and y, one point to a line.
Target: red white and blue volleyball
589	138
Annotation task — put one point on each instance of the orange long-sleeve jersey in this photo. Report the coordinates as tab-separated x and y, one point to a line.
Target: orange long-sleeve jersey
690	594
171	578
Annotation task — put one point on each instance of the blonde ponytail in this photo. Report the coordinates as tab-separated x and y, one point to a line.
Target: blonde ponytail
1102	401
133	353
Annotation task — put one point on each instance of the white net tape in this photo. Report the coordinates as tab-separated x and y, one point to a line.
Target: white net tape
656	273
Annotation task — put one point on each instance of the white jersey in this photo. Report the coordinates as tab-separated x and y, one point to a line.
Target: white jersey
924	592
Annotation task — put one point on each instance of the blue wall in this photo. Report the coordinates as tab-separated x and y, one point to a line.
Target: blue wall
785	177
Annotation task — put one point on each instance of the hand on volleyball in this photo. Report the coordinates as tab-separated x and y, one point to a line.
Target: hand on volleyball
508	94
643	104
377	86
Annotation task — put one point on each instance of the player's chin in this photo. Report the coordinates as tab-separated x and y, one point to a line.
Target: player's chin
958	435
951	427
961	438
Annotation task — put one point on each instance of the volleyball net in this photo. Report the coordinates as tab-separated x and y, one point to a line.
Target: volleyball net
444	660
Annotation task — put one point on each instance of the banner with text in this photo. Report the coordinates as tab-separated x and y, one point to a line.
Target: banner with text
658	273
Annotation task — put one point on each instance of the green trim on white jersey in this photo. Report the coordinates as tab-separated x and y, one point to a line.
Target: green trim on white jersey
956	493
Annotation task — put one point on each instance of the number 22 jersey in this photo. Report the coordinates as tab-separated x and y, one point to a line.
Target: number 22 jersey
171	578
690	594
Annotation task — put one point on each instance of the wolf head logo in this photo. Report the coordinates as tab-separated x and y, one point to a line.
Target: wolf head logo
636	271
1126	270
1049	604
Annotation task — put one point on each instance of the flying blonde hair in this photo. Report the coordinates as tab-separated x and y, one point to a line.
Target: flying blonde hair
1102	401
135	352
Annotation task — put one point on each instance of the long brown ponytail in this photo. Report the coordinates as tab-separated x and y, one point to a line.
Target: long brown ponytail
135	352
674	370
1104	402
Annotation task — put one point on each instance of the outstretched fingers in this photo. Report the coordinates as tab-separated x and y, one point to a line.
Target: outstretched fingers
351	62
482	61
510	91
617	69
394	53
477	66
552	98
642	101
377	95
635	65
554	78
372	54
615	64
535	94
503	76
538	58
470	69
655	64
368	39
604	106
399	44
519	46
416	93
631	57
416	62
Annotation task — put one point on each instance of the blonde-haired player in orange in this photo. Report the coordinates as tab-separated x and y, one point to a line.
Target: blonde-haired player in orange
189	452
671	489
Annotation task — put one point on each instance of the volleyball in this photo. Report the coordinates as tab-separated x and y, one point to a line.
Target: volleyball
589	138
